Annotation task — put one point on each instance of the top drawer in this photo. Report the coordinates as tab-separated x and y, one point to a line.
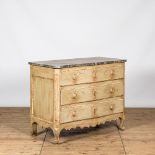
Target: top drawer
86	74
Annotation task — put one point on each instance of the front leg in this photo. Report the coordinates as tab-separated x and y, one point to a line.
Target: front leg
56	133
34	128
120	124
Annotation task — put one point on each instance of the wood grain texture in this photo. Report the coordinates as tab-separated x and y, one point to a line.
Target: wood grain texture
42	72
92	91
139	134
137	139
56	125
15	129
87	74
43	98
48	96
91	122
91	109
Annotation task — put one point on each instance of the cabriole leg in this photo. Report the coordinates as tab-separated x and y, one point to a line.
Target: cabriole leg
56	133
120	124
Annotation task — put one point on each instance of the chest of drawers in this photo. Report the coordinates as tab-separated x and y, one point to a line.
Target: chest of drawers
78	92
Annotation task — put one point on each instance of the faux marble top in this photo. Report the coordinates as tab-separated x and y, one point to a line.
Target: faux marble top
66	63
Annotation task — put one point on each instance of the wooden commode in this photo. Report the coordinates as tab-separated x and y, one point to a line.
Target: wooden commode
80	92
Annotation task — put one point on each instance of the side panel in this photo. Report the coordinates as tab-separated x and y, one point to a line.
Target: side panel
42	93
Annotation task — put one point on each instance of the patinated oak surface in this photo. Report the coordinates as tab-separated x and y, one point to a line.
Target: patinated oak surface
72	93
137	139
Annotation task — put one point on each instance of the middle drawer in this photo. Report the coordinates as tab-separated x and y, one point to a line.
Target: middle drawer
93	91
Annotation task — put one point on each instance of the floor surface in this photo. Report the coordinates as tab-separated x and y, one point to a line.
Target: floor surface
137	139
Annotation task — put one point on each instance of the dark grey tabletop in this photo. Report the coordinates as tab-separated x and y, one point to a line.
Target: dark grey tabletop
67	63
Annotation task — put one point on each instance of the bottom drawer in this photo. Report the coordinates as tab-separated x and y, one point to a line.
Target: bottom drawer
88	110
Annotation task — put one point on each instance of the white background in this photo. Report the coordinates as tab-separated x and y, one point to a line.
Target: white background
55	29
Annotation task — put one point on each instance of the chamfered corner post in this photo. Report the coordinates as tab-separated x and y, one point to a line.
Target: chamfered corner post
32	123
56	122
120	124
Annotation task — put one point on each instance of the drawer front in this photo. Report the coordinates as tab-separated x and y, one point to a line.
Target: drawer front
88	110
70	113
108	106
93	91
77	75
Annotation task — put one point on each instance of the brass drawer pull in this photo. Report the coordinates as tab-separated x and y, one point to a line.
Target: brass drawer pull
74	114
74	96
95	111
112	73
112	90
94	74
74	77
94	92
111	107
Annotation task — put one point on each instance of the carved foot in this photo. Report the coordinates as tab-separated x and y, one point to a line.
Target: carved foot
34	129
97	126
56	133
121	124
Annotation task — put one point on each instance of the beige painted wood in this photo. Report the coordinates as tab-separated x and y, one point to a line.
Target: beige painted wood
50	101
43	72
92	91
92	109
31	91
87	74
56	125
43	98
93	122
75	112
